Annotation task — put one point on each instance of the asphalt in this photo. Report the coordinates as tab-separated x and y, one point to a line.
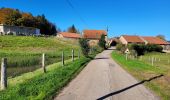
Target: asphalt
104	79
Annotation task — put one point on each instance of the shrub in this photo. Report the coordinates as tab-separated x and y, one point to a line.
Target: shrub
121	47
84	47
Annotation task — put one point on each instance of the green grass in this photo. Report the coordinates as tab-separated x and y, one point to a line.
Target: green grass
37	85
141	69
24	52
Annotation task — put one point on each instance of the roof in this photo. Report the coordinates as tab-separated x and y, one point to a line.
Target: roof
154	40
133	39
93	34
70	35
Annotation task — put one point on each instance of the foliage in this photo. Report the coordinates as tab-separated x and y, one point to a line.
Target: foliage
44	86
161	37
141	48
121	47
72	29
84	46
102	42
15	17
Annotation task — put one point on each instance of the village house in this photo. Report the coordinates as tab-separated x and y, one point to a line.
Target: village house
67	35
94	35
127	39
18	30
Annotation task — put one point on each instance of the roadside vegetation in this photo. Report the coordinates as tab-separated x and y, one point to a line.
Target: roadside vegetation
38	86
142	69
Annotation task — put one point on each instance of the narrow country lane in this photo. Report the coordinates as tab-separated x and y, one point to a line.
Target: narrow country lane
103	76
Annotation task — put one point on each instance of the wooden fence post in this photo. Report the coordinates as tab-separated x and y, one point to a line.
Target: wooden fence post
152	60
62	58
78	54
73	55
126	56
43	63
4	74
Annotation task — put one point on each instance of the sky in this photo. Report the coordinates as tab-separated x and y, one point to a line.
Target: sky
122	17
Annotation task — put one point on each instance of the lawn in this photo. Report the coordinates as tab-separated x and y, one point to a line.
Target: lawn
24	53
142	68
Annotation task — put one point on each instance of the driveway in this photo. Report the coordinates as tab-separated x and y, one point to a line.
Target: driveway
103	76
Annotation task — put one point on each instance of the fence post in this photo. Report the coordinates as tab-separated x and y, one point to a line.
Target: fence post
43	63
73	55
126	56
62	58
78	54
4	74
152	60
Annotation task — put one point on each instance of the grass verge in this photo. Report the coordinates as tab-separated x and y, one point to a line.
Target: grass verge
142	70
36	85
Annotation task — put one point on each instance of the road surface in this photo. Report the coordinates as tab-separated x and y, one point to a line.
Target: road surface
101	77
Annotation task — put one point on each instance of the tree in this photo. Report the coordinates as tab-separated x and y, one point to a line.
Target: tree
72	29
11	19
161	37
102	42
84	46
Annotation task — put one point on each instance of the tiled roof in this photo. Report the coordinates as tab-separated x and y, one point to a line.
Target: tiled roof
93	34
70	35
133	39
154	40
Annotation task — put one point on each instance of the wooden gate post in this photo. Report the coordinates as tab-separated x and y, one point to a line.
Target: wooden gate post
43	63
73	55
62	58
4	74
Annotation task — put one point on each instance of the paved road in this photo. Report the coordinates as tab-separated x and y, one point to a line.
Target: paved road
103	76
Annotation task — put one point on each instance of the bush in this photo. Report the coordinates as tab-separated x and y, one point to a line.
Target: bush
141	48
84	47
121	47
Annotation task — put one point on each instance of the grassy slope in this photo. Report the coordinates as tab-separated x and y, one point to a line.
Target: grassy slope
142	70
24	52
25	44
36	85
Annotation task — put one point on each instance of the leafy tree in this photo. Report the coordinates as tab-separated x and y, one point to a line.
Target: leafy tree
161	37
72	29
84	46
11	19
102	42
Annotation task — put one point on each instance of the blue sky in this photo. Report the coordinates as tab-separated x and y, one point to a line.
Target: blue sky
133	17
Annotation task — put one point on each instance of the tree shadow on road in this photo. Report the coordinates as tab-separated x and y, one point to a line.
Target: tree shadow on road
129	87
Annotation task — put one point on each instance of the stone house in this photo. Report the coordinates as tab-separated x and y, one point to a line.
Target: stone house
18	30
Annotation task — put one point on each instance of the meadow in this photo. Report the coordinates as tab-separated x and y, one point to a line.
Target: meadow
142	69
24	53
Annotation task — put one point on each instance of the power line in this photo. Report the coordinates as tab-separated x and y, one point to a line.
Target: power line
76	12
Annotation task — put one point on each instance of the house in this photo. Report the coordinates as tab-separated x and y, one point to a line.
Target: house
18	30
127	39
94	35
67	35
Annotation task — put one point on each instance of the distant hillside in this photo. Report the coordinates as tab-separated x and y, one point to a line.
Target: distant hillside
15	17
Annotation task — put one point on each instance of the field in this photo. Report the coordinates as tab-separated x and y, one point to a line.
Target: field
24	54
142	69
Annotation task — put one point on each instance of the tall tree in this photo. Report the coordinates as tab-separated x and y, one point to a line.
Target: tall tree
161	37
72	29
102	42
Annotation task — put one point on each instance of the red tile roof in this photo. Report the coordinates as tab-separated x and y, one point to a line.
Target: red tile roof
70	35
93	34
133	39
154	40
